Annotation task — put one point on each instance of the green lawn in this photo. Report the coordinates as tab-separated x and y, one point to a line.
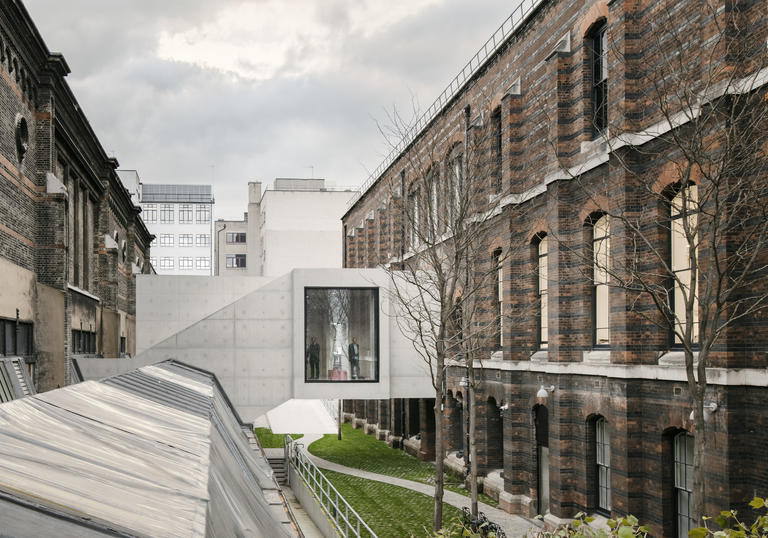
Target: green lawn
361	451
390	511
267	439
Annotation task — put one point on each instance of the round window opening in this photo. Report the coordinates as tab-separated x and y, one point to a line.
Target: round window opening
22	136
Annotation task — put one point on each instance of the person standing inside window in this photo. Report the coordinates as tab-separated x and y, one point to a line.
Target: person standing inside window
354	358
313	355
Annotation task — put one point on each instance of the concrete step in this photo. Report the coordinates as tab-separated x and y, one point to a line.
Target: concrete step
280	469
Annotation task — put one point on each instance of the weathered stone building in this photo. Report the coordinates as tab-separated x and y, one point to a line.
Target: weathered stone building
71	240
583	403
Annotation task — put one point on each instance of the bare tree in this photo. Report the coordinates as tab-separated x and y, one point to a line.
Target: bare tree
448	197
687	215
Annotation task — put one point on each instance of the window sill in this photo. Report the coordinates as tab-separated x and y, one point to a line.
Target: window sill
540	356
676	358
597	356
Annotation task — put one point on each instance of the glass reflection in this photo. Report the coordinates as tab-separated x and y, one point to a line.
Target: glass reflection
341	340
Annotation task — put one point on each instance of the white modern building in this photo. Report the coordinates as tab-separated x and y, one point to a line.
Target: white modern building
181	219
296	223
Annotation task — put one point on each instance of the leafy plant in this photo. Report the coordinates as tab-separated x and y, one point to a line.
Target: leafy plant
625	527
731	526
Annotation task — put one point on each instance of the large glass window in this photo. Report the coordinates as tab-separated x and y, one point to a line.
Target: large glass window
543	282
203	263
683	238
600	292
166	213
603	466
599	65
166	262
235	261
684	483
203	240
185	214
202	213
166	240
341	334
235	237
149	213
185	240
498	300
185	262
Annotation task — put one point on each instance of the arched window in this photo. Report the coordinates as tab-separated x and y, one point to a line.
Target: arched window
542	292
683	214
598	63
600	278
498	340
686	520
456	186
602	466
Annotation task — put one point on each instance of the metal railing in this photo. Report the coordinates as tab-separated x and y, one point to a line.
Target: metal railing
512	23
342	515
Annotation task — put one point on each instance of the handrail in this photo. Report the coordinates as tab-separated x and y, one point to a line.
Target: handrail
344	518
512	23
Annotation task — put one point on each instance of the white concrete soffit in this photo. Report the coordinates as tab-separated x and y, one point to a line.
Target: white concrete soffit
301	416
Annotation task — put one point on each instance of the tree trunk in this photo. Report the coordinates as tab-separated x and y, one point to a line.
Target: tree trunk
472	444
699	452
437	522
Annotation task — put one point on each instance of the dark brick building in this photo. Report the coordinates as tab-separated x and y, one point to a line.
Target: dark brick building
583	403
71	240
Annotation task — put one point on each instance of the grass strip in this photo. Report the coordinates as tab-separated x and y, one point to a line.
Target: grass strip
390	511
361	451
267	439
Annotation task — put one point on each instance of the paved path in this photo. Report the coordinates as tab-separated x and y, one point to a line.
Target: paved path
514	526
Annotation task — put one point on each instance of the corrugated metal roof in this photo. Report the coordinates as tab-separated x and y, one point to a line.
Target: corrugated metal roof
14	379
156	452
154	192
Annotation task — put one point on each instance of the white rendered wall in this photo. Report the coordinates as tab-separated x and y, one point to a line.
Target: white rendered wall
302	229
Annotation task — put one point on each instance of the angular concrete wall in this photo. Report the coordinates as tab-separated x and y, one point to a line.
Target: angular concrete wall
255	345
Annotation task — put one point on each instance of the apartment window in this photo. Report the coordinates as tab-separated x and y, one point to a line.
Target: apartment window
600	282
202	213
83	342
683	212
235	261
185	240
149	212
203	240
235	237
185	262
603	466
686	520
498	298
203	263
153	261
166	262
166	213
542	292
598	60
185	214
13	342
496	152
166	240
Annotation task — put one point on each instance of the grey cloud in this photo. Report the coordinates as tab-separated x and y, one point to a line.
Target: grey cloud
172	121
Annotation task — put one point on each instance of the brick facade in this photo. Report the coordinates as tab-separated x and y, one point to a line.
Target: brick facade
540	84
70	236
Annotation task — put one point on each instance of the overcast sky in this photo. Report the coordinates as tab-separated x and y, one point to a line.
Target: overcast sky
227	91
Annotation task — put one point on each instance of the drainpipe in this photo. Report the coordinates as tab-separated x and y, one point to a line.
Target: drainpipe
218	252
